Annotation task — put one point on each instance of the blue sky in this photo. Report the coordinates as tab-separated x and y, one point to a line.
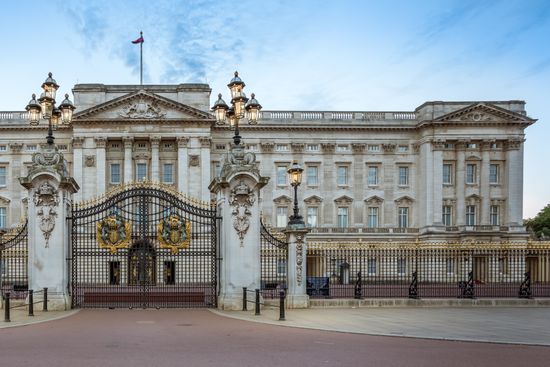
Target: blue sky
304	55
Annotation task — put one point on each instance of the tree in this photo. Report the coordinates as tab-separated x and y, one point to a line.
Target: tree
540	225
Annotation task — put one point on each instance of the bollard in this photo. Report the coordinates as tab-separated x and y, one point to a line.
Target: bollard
7	307
281	306
244	299
257	306
31	302
45	303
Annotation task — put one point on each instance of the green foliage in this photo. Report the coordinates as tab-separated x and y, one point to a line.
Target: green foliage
540	225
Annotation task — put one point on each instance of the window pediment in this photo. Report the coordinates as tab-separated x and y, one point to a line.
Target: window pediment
374	200
313	199
404	200
344	199
282	200
4	200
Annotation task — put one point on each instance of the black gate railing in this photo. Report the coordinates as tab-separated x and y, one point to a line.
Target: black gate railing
273	263
144	246
14	255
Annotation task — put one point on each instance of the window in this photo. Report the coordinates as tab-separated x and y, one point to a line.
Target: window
372	175
449	146
494	173
371	267
373	148
450	266
281	267
447	174
3	217
31	147
312	147
3	148
282	216
168	173
342	217
167	145
115	145
470	215
447	215
401	266
372	221
281	175
142	145
3	176
312	175
494	211
312	213
220	146
494	146
252	147
342	172
281	148
471	145
141	171
471	174
403	176
403	217
403	148
115	173
342	148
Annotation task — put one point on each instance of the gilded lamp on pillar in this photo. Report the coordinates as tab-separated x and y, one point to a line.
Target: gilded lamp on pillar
295	174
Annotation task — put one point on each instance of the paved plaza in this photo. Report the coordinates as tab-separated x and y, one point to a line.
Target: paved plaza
199	337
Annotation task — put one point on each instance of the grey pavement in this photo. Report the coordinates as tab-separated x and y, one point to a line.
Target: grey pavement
521	325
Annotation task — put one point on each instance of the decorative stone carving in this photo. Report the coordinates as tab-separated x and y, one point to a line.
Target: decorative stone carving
299	258
267	147
374	200
205	141
358	148
328	147
476	116
46	200
50	159
343	200
89	161
438	144
142	110
416	147
388	148
128	142
297	147
194	160
77	142
183	141
238	160
100	142
404	200
282	200
16	147
313	199
155	141
514	143
241	199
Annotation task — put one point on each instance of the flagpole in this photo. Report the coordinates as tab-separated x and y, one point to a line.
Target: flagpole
141	59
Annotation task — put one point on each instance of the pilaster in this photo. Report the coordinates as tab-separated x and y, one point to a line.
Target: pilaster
155	143
78	164
460	185
514	172
128	164
484	182
205	143
182	164
100	144
296	296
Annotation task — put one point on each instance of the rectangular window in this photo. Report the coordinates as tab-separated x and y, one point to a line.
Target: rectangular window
312	213
342	172
281	176
312	147
403	176
281	148
373	148
449	146
403	217
170	272
3	217
470	215
401	266
494	173
372	175
342	217
471	145
447	216
371	267
447	174
494	211
312	177
168	173
3	148
220	146
3	176
141	171
31	147
115	173
403	148
281	267
282	216
342	148
372	221
471	177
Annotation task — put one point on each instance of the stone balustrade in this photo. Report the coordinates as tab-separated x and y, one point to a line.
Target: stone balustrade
337	115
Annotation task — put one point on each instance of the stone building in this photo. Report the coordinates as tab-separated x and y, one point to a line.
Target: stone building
446	171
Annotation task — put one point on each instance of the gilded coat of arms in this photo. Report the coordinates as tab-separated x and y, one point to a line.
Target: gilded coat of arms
174	233
113	232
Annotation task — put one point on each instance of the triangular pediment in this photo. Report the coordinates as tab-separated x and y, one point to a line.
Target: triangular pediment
282	200
374	200
484	112
313	199
142	105
405	200
344	199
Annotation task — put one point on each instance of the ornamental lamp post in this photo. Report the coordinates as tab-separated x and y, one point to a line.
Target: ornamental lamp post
295	173
45	108
241	107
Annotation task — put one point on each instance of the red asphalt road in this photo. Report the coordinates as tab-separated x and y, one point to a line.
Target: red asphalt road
200	338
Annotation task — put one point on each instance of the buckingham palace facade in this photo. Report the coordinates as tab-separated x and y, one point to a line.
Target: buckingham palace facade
445	171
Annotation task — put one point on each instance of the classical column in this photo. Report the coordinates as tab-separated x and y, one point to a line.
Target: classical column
358	183
460	185
296	268
16	210
78	166
485	186
514	173
328	184
183	164
155	173
427	206
205	142
128	165
100	144
437	147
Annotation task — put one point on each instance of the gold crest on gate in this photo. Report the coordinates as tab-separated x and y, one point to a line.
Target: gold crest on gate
113	232
174	233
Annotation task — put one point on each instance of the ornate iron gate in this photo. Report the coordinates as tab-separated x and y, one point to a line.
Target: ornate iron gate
144	245
14	259
273	260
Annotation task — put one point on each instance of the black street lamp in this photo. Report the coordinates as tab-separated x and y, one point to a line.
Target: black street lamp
45	108
240	107
295	173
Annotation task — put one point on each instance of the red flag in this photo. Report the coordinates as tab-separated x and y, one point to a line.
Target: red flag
139	40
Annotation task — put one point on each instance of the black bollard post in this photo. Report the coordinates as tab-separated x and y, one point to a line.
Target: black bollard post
31	302
281	306
244	299
257	308
45	303
7	307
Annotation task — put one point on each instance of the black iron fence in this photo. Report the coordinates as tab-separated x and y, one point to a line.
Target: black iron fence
434	271
273	262
14	263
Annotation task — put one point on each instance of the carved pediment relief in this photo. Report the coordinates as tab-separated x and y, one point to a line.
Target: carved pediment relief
282	200
344	199
374	200
313	199
472	199
484	112
141	105
404	200
4	200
